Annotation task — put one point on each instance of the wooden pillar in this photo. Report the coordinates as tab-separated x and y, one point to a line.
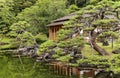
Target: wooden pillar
54	66
70	71
56	30
77	73
50	31
51	34
57	69
54	33
89	73
60	69
66	71
63	70
92	73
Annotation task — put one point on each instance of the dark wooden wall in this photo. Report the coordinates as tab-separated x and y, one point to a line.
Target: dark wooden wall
53	32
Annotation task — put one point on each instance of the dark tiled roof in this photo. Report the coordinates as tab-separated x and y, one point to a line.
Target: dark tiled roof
56	23
60	21
65	17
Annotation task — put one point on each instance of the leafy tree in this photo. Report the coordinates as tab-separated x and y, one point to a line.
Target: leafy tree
23	36
42	13
97	20
6	16
73	8
40	38
19	5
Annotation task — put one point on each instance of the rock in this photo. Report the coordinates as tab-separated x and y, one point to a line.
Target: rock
30	50
105	74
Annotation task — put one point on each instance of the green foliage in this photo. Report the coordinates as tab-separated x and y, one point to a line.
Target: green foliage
106	3
88	28
94	1
92	11
111	61
65	58
40	38
64	44
73	8
6	16
46	46
72	23
26	39
110	33
20	26
9	43
117	5
59	51
104	22
20	18
40	14
19	30
62	33
56	56
96	19
71	42
19	5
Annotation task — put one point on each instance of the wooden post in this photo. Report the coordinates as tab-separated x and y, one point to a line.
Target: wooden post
54	33
77	72
63	71
57	69
60	68
66	71
53	68
50	33
70	71
89	73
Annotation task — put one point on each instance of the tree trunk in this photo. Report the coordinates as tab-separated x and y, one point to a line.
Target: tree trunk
100	50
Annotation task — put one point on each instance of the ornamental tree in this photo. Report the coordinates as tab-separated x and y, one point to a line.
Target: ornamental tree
20	32
102	19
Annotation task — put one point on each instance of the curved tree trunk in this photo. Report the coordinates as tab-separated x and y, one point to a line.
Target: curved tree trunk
100	50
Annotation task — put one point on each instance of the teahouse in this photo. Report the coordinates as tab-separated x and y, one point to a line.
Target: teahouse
56	25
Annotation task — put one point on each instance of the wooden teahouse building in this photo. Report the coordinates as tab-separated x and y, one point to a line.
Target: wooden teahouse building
56	25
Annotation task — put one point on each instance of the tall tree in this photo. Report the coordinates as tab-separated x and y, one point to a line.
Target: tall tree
6	16
101	19
19	5
42	13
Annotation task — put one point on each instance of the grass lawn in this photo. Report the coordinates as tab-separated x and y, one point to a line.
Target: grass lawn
109	47
87	50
